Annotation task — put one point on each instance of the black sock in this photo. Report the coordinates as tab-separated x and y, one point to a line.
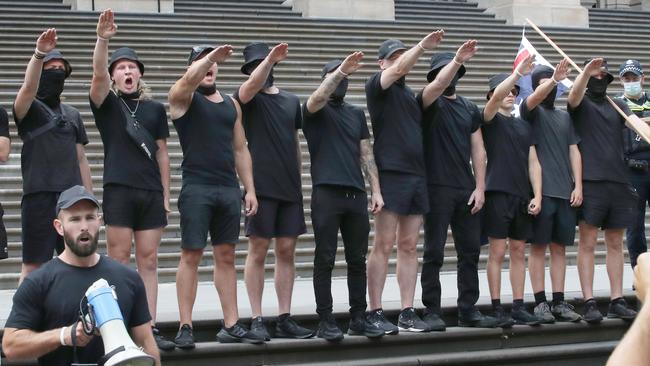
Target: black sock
496	303
558	297
540	297
517	304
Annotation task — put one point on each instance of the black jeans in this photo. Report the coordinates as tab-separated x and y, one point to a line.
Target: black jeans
636	241
449	206
334	207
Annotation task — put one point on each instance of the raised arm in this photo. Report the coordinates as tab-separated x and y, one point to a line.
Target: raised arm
180	94
406	61
370	169
576	169
561	72
435	88
535	175
580	84
318	98
45	43
101	83
501	92
244	164
258	77
479	165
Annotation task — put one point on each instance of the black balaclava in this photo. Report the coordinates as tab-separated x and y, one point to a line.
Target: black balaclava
451	89
207	90
544	72
597	88
134	95
339	93
50	87
269	80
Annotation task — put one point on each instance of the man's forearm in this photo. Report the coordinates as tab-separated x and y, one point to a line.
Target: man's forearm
25	343
244	166
319	98
369	166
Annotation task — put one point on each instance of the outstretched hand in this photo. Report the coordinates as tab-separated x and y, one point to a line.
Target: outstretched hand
593	67
220	54
562	70
106	27
278	53
46	42
352	63
466	51
527	65
432	40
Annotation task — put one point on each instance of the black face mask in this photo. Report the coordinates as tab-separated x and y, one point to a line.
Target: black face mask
451	89
597	89
134	95
50	87
207	90
269	80
339	93
549	101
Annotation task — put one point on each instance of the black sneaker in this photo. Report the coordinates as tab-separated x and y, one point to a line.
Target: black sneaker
591	313
434	321
328	329
409	321
258	328
522	316
161	342
185	337
474	318
619	309
543	312
504	320
288	328
565	312
359	326
378	319
238	334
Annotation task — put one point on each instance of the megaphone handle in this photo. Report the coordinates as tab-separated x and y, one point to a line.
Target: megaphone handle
73	338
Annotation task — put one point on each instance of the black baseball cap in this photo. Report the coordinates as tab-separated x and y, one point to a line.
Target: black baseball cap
604	68
633	66
254	53
389	47
330	66
494	82
440	60
197	51
124	53
73	195
57	55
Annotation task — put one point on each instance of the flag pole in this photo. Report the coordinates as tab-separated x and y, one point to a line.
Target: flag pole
642	130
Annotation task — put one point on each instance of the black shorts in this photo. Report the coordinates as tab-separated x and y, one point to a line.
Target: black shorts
556	223
506	216
404	194
608	205
135	208
209	208
276	219
40	239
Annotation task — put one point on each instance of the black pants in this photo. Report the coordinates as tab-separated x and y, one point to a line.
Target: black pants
334	207
449	206
636	241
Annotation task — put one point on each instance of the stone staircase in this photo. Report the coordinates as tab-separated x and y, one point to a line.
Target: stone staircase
163	42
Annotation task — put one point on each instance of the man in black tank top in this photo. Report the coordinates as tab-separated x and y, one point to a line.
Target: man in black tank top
214	147
52	156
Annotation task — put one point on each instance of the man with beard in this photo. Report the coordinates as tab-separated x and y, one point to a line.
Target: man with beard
271	118
637	155
45	309
136	180
609	199
339	145
395	117
451	132
214	146
555	226
52	157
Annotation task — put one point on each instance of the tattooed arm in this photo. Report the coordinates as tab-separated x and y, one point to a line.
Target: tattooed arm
319	98
370	170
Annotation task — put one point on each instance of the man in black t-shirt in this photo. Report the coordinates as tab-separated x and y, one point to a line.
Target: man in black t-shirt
271	118
609	199
5	149
45	310
451	135
395	117
511	170
52	157
339	145
136	180
214	147
555	226
637	154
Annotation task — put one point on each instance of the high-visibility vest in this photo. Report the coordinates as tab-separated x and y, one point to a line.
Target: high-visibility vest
633	143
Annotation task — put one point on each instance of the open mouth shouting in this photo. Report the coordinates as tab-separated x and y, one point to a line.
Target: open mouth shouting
128	82
84	238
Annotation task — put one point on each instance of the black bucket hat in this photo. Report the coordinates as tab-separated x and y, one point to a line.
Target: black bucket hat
440	60
388	47
124	53
57	55
254	52
604	68
199	50
494	82
330	66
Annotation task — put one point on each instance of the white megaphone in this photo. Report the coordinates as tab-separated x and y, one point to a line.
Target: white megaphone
118	347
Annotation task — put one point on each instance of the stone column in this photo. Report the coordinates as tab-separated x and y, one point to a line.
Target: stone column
345	9
128	6
558	13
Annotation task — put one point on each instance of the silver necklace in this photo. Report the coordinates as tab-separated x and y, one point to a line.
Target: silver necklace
129	109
